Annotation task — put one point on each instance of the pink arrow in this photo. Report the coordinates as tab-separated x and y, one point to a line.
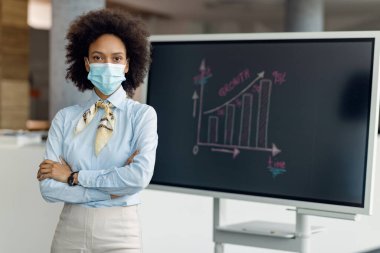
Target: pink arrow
234	152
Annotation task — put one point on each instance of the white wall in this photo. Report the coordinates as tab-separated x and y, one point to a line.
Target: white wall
171	222
27	222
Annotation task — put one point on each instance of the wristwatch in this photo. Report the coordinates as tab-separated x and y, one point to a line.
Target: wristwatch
70	179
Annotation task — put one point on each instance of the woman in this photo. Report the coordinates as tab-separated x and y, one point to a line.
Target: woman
100	154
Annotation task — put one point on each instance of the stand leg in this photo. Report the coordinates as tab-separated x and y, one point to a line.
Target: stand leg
219	216
303	232
219	212
219	247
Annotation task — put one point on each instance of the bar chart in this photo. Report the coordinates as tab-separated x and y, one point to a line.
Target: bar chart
240	123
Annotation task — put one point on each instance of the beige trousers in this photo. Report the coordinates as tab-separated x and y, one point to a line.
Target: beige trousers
97	230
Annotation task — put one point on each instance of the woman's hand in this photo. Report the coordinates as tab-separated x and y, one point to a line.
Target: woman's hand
54	170
130	159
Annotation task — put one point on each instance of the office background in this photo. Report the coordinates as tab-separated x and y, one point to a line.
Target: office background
33	87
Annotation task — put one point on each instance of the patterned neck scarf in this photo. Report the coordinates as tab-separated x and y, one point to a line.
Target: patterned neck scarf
106	124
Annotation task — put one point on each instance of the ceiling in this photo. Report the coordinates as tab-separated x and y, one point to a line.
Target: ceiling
264	15
339	14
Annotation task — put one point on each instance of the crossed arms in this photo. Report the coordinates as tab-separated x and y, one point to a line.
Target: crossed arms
104	184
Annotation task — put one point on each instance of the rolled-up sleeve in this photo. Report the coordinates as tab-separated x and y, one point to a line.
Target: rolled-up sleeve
132	178
54	191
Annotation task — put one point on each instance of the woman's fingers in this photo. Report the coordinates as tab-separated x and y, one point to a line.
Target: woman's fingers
130	159
58	171
45	169
47	162
44	173
44	176
46	165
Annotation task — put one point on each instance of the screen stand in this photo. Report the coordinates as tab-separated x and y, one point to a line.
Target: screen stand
270	235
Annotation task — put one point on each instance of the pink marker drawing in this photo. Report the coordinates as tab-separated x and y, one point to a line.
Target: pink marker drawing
279	77
276	167
241	122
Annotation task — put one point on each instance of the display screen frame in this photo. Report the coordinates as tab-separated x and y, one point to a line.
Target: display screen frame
366	208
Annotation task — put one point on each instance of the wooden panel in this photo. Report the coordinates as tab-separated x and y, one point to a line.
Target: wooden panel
15	53
14	64
14	12
14	92
14	119
15	40
14	103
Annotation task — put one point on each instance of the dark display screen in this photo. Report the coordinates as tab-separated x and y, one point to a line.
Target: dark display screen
286	119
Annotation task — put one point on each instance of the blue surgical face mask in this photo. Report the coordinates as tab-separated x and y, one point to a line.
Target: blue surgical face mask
107	77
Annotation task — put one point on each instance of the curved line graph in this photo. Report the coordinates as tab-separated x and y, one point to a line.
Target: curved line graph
259	76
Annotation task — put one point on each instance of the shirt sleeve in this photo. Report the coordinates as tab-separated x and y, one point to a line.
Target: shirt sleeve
54	191
132	178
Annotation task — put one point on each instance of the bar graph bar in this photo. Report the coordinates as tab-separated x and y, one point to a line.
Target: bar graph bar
229	124
213	129
263	116
246	120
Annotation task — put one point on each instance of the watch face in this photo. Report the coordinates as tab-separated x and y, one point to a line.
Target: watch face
70	180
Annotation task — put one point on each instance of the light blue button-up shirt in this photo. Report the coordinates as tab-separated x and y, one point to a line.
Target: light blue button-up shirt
105	174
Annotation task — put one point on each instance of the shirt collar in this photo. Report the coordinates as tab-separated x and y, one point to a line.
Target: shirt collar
117	98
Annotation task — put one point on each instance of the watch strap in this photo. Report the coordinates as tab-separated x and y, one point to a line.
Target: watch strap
70	179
